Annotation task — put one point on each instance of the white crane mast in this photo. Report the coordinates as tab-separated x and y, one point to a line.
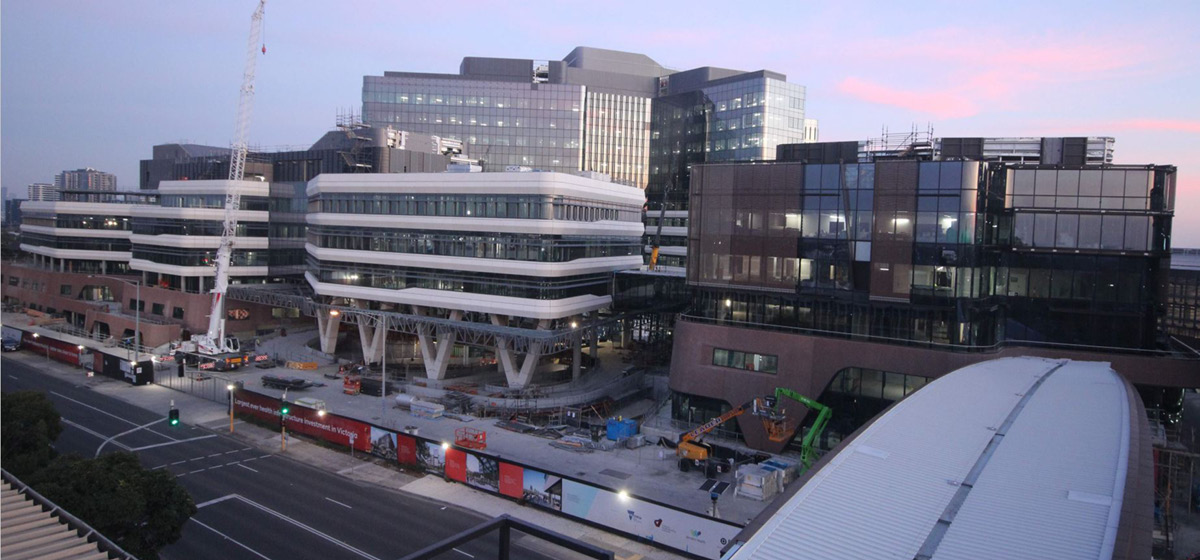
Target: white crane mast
214	341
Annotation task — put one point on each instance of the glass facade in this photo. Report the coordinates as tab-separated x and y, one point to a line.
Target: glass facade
732	120
934	252
501	123
859	394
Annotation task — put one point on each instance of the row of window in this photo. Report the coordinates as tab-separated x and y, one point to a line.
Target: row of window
257	203
399	278
1074	231
78	243
762	363
511	247
473	206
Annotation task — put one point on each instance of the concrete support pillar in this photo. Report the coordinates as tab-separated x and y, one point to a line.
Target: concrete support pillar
521	376
327	327
594	343
436	350
373	339
576	354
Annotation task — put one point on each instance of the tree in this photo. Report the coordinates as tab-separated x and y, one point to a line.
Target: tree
29	425
140	510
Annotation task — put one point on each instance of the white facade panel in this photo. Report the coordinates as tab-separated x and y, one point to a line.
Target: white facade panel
199	241
77	254
539	183
472	264
481	303
604	228
70	232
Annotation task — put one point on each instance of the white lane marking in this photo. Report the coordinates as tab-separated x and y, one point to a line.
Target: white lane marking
196	471
214	454
93	432
307	528
443	508
230	539
234	451
216	501
179	462
13	376
107	413
130	431
463	553
245	467
174	442
339	503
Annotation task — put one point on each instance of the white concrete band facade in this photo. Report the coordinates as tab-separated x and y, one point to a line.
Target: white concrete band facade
453	244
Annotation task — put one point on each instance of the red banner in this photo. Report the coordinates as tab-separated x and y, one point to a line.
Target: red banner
456	464
303	420
406	449
56	349
512	480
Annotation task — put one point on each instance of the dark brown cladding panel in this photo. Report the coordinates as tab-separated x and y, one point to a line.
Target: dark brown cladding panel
892	237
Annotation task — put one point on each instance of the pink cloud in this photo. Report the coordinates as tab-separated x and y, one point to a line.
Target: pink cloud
942	104
1170	125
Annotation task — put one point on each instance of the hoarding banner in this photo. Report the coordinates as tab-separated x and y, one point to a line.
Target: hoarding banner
677	529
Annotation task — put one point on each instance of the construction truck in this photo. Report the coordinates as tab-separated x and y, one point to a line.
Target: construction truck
778	429
694	453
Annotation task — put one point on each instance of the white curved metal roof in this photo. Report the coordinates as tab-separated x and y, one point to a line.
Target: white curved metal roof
1011	458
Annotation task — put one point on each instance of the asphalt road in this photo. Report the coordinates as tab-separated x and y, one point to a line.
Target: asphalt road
253	504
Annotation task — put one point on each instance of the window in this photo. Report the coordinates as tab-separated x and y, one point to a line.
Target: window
138	305
177	313
156	309
64	290
762	363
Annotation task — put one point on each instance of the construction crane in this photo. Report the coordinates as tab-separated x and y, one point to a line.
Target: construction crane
691	451
778	430
214	342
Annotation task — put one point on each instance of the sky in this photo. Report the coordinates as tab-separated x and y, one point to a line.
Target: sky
97	84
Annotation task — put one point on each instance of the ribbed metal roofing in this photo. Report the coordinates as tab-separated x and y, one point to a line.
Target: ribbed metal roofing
1012	458
31	532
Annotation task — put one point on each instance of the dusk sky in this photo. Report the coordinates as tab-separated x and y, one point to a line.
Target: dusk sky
96	84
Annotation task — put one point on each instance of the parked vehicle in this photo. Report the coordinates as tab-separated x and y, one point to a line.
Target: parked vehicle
12	344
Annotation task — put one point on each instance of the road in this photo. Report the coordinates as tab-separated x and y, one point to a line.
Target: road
254	504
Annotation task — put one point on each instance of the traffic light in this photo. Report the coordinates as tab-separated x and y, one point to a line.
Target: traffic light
173	417
283	408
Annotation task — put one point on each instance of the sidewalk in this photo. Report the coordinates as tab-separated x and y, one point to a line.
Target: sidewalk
215	417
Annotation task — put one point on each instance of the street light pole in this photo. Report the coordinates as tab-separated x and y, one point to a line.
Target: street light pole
231	387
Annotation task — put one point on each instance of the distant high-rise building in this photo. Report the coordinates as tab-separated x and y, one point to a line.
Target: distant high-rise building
44	192
595	110
12	212
86	179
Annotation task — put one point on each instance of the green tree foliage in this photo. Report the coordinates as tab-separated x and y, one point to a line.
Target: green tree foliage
140	510
28	426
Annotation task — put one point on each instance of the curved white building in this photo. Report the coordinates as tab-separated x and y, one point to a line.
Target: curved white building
536	246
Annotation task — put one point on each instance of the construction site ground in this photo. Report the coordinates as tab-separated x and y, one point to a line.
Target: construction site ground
650	471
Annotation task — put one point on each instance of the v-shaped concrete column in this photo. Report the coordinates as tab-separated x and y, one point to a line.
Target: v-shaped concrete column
436	351
327	326
517	377
372	338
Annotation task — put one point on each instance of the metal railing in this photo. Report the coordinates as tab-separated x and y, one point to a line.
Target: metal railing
107	340
199	383
74	522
